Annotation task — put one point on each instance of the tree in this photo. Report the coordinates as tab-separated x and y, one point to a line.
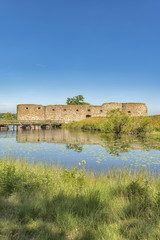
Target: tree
8	116
77	100
117	121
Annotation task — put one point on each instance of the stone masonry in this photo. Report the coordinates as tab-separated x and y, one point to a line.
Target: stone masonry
69	113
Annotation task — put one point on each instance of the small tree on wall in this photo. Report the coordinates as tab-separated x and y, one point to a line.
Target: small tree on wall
77	100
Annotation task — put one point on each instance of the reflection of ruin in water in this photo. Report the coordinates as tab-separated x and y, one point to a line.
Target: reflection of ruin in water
4	129
63	136
74	140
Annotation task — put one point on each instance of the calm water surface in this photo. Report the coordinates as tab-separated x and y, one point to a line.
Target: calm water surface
68	148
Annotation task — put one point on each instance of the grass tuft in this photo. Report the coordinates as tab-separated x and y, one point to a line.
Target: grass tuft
47	202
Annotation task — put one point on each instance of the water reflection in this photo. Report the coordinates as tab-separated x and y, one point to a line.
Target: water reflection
74	147
69	147
64	136
115	145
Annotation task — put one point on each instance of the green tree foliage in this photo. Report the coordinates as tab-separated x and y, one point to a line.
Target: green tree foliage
1	115
116	121
9	116
77	100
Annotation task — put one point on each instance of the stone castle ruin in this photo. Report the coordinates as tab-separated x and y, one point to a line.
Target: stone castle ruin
69	113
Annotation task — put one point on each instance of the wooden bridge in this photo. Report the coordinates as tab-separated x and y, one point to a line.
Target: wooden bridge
26	125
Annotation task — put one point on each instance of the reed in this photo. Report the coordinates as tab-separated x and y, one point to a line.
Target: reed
47	202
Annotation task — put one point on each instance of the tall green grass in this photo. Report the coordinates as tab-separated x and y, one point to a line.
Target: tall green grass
47	202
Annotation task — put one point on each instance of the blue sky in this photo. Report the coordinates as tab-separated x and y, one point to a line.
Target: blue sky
106	50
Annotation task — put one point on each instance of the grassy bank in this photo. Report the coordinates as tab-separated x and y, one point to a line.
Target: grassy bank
46	202
133	125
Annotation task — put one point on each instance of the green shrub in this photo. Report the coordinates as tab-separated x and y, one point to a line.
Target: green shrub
141	126
116	122
8	179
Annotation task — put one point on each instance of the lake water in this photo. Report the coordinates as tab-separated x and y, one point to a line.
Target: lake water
68	148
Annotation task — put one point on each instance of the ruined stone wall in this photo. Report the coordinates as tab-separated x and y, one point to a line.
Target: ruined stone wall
69	113
30	112
107	107
134	109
